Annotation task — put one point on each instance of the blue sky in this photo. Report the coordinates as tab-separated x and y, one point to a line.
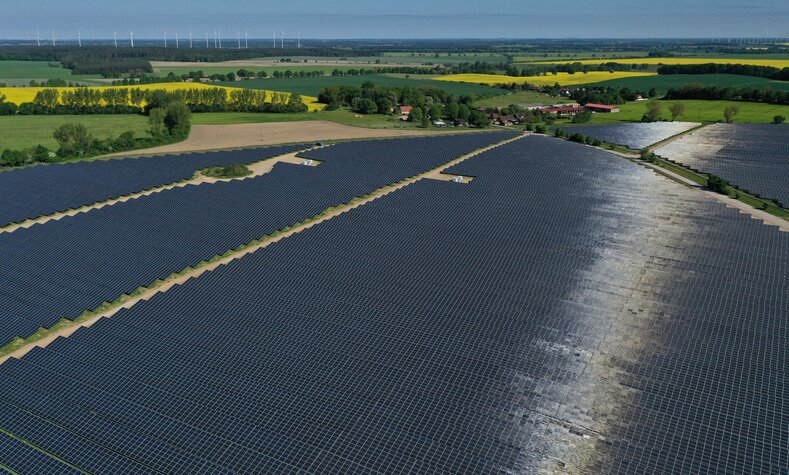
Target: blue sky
399	19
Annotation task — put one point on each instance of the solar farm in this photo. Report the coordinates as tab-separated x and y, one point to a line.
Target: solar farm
635	135
538	306
753	157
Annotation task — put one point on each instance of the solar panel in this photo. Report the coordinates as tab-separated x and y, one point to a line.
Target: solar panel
586	315
637	135
754	157
62	268
43	190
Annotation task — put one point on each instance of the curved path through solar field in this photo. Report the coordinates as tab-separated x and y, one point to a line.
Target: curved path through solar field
43	190
65	268
257	168
586	316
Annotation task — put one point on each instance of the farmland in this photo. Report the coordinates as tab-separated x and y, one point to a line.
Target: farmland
25	131
564	79
312	86
698	111
19	95
521	97
754	61
376	121
663	83
209	70
576	55
15	73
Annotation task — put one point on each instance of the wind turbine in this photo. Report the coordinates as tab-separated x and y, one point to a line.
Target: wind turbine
298	39
131	38
38	39
115	37
190	39
214	38
246	39
79	38
53	38
274	35
165	39
220	39
206	40
282	39
176	40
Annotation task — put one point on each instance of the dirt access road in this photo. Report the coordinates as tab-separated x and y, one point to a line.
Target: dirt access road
214	137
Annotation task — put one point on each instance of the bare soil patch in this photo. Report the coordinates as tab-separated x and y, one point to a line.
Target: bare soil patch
215	137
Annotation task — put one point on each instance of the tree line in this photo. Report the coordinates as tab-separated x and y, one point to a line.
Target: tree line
768	72
700	91
120	100
168	122
106	59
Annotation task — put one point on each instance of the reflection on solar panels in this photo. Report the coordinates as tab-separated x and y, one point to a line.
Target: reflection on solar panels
43	190
754	157
587	316
62	268
635	136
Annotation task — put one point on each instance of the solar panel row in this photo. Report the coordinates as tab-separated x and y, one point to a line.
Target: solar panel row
62	268
43	190
21	458
567	310
754	157
635	136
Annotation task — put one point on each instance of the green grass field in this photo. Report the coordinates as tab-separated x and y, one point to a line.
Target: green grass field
312	86
665	82
698	111
523	97
25	131
209	70
17	73
568	56
395	58
399	57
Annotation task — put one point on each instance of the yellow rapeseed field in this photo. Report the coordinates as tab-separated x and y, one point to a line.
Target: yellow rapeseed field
776	63
19	95
564	79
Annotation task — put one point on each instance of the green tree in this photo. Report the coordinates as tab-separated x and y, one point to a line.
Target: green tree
452	111
425	121
177	119
7	108
676	109
729	113
436	112
654	109
464	112
582	117
47	98
717	184
156	123
364	105
779	119
416	115
73	139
